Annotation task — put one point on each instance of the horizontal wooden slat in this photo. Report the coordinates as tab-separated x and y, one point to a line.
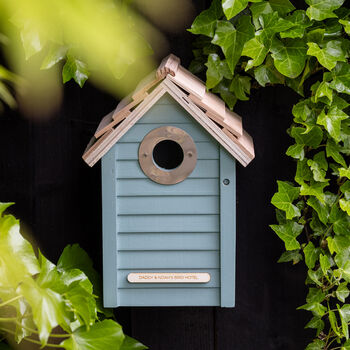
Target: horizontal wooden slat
146	187
168	223
161	297
139	131
164	205
124	284
168	241
168	259
129	151
127	169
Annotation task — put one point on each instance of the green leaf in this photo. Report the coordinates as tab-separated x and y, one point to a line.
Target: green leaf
256	50
338	244
316	308
311	138
282	6
316	345
321	209
32	43
257	9
332	150
316	323
315	295
344	172
234	7
288	233
315	276
290	255
341	78
340	220
342	292
268	74
344	311
300	21
311	255
4	206
205	22
296	151
332	121
284	198
328	56
345	205
333	321
132	344
75	69
303	172
223	88
289	57
215	71
241	86
322	91
314	189
322	9
55	54
101	336
232	39
346	25
325	264
48	307
318	166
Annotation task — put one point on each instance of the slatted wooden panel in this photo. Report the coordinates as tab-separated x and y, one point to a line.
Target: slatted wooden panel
164	228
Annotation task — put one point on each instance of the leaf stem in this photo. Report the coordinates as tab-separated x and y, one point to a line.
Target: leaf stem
10	300
32	340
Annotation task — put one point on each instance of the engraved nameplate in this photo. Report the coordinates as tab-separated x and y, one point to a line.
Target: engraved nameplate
169	277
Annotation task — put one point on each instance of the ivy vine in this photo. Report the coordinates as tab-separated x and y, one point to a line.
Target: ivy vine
245	44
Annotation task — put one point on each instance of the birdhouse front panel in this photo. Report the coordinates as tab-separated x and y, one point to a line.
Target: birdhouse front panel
168	214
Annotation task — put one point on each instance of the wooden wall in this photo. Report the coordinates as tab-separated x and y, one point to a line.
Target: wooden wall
58	198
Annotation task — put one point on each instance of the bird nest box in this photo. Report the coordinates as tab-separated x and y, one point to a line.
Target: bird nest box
169	155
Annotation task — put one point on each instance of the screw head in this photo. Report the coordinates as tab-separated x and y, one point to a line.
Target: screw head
226	182
189	154
145	155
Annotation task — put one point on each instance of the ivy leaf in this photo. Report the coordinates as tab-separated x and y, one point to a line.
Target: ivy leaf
31	40
282	6
316	323
333	321
328	56
311	255
205	22
288	233
324	91
234	7
296	151
290	255
301	110
341	78
303	172
311	138
102	335
232	39
315	295
216	70
132	344
325	264
316	308
332	121
342	292
321	209
223	88
345	205
256	50
241	86
322	9
344	172
315	276
284	198
332	150
47	307
340	221
346	25
56	54
338	244
289	57
345	312
319	166
268	74
316	345
258	9
300	21
75	69
314	189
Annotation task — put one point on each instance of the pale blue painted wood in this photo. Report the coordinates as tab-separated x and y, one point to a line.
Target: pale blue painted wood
166	99
205	150
170	296
157	241
109	227
146	187
169	241
213	283
161	205
228	228
139	131
203	169
168	223
168	259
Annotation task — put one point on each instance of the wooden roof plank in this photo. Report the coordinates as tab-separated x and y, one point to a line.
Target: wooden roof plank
104	124
169	65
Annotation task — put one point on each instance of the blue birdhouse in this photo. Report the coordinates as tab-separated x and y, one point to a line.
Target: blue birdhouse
169	155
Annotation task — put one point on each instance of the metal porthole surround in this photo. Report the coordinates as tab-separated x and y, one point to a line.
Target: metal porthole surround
161	175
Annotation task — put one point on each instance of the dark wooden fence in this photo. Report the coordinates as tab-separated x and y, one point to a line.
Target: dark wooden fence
58	198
